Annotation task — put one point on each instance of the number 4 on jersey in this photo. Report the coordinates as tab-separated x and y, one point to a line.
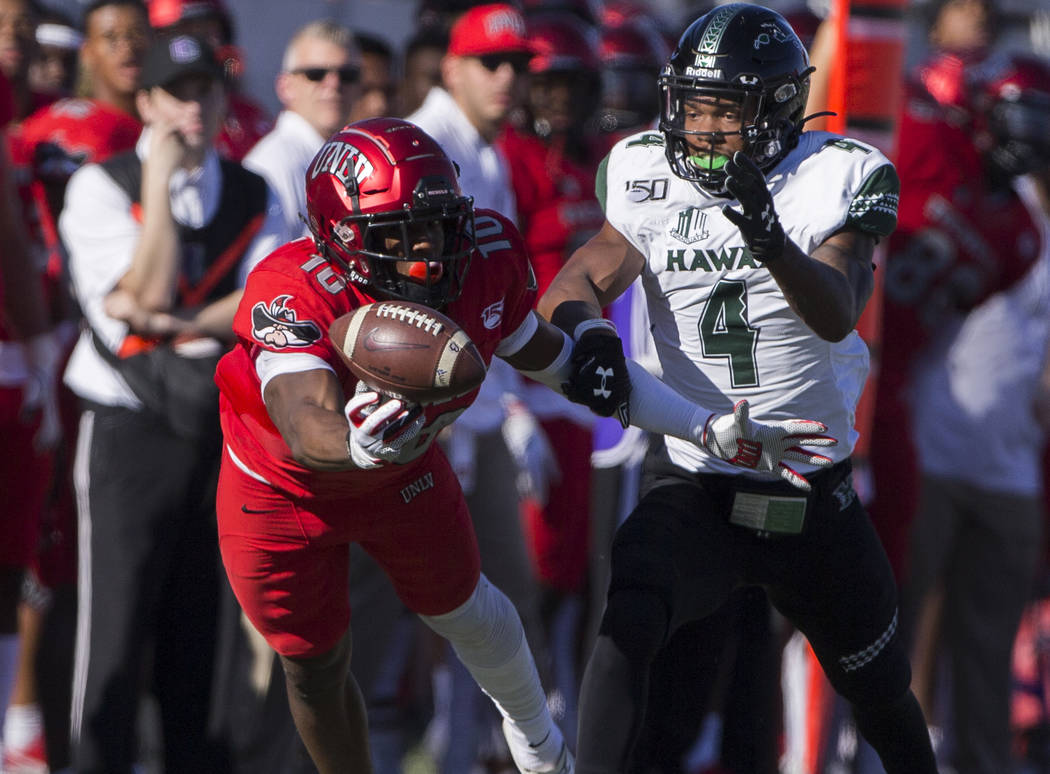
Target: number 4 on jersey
725	332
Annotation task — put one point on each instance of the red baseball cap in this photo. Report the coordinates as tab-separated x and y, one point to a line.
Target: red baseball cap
164	13
489	29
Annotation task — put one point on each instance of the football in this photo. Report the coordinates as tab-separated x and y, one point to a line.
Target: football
408	351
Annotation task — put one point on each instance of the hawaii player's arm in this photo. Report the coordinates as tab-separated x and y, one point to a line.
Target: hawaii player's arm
596	274
543	352
307	409
829	288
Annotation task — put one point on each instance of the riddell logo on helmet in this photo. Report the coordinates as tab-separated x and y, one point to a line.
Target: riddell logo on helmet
346	162
704	72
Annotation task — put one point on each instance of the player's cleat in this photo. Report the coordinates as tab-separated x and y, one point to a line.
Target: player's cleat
31	759
551	756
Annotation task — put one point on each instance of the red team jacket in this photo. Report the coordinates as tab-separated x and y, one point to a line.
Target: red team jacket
557	208
290	300
956	243
47	148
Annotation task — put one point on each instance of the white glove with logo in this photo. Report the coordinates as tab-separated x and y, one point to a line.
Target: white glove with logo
765	446
537	466
380	427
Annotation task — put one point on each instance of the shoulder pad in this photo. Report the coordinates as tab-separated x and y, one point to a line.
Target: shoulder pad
645	139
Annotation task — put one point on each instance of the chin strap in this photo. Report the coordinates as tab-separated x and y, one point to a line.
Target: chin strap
821	114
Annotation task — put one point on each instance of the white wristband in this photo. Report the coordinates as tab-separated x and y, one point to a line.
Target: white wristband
591	324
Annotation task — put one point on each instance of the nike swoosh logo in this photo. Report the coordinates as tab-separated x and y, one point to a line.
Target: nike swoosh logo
374	342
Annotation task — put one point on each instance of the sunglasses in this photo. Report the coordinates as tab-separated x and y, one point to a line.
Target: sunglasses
492	62
347	75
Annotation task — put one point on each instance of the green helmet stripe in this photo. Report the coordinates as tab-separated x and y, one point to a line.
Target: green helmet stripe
716	29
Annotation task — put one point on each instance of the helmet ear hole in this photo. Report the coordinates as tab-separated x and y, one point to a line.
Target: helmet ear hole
344	233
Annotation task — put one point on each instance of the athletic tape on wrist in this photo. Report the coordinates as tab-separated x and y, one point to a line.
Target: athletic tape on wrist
591	324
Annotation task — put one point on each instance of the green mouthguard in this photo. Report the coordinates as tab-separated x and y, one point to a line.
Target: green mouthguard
709	162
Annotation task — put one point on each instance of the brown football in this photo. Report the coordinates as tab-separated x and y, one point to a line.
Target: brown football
409	351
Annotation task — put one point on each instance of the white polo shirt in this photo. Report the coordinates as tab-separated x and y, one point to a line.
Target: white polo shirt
483	172
282	157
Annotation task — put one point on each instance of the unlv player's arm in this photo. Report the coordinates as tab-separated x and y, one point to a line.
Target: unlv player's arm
541	350
307	409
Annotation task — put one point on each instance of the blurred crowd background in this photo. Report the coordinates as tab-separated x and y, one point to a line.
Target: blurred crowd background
736	696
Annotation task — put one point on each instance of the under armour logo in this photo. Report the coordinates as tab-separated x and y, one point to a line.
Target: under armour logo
604	373
768	216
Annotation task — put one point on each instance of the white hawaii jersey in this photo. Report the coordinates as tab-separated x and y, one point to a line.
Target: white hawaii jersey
722	327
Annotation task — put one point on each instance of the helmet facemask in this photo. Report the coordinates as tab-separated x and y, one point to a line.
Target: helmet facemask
1021	131
770	122
737	53
384	206
419	253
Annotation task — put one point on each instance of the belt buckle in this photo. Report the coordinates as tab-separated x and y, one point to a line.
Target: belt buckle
768	513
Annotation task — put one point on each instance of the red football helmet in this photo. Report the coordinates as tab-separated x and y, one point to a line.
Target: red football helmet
565	86
166	14
384	205
945	78
1013	101
587	11
616	12
632	54
561	42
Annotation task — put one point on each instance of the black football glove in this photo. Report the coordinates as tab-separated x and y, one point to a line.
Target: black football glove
599	376
758	221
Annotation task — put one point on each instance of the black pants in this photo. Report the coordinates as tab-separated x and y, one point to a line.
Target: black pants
677	558
148	590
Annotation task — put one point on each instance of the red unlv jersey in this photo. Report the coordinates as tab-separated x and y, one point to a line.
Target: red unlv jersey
956	243
57	140
290	300
557	207
50	145
46	149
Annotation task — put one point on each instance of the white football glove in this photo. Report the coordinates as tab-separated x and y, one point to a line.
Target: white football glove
765	446
537	466
380	427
